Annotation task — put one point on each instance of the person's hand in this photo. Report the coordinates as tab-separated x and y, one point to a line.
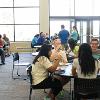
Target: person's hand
59	57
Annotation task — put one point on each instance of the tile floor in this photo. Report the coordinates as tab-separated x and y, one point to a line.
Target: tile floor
18	89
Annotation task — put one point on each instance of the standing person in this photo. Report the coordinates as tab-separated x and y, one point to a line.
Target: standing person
6	45
75	34
85	66
2	53
40	71
63	35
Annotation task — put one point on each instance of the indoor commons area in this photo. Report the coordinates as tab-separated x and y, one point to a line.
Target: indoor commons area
49	50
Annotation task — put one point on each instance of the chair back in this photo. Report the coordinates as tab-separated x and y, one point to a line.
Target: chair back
15	57
86	86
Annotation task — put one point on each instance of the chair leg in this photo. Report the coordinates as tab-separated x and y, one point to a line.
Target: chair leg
12	72
17	71
45	91
30	92
72	95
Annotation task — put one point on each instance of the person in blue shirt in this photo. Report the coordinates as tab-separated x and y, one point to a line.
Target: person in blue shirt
34	40
41	39
63	35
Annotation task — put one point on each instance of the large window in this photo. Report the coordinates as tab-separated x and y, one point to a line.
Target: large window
74	7
61	8
69	12
19	19
57	24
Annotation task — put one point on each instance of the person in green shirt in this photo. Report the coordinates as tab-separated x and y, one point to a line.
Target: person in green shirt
94	45
73	48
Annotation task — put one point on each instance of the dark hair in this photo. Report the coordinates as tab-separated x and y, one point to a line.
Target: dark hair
72	43
37	35
44	51
94	39
75	28
62	26
0	36
41	33
55	37
86	60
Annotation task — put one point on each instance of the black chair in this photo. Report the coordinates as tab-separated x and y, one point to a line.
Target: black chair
17	63
86	88
33	86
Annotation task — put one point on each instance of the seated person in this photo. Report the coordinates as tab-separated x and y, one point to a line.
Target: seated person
85	66
6	45
2	53
34	40
40	71
47	37
41	39
94	45
58	50
73	48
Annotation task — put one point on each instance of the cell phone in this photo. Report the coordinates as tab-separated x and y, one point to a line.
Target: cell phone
59	71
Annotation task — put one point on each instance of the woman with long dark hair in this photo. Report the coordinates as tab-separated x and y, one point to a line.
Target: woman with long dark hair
86	65
41	68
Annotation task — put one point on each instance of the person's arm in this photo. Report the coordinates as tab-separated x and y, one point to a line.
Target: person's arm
55	64
74	67
98	65
76	51
74	73
64	57
53	55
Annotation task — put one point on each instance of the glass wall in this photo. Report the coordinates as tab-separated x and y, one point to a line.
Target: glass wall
19	19
83	13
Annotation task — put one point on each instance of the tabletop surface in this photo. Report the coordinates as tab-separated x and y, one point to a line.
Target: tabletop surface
64	70
35	53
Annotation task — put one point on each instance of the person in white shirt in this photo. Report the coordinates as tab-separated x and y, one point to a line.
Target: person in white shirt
85	66
40	71
61	51
58	50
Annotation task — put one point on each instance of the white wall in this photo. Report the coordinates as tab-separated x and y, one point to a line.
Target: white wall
44	16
